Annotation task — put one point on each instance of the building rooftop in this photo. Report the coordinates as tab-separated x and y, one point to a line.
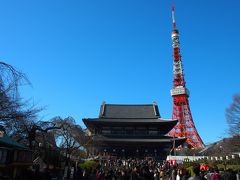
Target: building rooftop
5	140
127	111
130	115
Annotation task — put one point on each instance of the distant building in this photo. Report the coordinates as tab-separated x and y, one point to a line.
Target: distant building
132	131
14	157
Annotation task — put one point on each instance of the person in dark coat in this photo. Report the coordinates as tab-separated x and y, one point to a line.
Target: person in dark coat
196	171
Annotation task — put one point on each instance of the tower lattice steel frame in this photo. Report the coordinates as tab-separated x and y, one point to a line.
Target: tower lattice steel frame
180	94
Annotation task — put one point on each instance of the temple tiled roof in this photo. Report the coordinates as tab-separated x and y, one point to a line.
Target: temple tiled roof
9	142
164	125
129	111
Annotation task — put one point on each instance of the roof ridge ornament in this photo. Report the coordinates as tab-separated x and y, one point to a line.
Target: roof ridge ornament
103	109
155	108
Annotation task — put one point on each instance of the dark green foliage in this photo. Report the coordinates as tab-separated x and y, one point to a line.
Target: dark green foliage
88	164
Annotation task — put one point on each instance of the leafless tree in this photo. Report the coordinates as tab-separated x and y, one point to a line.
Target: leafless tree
233	116
32	132
19	118
70	136
12	108
230	144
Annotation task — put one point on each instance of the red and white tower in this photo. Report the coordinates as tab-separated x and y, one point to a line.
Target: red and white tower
180	94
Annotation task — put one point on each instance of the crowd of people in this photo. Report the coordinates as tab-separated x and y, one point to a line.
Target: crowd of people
133	169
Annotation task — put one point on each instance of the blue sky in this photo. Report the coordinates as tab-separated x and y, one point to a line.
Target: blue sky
79	53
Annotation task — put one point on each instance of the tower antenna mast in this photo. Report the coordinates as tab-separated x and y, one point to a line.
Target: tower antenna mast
173	17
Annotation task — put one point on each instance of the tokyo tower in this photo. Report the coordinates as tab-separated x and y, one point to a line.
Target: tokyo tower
180	94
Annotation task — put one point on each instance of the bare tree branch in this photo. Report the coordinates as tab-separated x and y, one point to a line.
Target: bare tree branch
233	116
